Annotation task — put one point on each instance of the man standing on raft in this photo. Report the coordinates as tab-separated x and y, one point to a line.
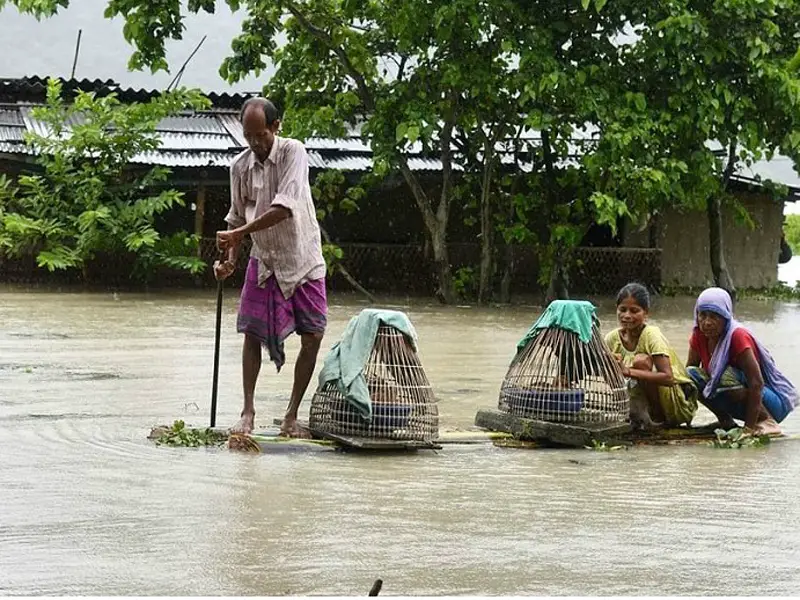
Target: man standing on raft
284	288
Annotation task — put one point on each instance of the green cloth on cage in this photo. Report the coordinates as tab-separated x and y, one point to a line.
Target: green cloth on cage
346	360
572	315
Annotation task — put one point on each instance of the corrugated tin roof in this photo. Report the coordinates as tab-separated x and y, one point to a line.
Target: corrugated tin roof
337	144
40	128
10	116
195	132
193	124
13	134
213	138
780	168
35	88
12	148
173	158
168	158
231	124
315	160
195	141
428	164
349	163
354	162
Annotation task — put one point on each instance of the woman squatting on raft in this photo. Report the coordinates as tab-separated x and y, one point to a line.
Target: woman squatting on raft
736	376
662	394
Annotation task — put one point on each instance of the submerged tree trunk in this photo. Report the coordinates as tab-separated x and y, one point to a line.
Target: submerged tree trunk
557	289
487	222
508	269
719	267
487	256
436	229
508	249
716	246
445	291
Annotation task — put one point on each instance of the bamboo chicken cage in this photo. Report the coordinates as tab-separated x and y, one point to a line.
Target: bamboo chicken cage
403	403
557	377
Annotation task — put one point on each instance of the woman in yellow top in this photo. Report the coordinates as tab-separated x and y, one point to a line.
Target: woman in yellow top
662	394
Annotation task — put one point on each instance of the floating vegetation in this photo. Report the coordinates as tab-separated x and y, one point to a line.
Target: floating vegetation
180	435
515	442
737	438
604	447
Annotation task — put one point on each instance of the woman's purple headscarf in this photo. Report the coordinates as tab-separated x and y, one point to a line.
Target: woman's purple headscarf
718	301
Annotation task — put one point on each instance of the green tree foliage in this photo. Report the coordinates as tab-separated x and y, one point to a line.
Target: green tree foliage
331	194
716	87
449	79
85	197
791	230
464	81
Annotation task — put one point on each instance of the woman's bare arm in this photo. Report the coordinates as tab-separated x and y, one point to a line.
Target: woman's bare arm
662	375
693	360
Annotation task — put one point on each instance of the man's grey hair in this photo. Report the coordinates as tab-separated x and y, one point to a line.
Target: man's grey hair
270	111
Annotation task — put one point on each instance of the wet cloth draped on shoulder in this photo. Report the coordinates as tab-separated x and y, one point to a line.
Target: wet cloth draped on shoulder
346	360
576	316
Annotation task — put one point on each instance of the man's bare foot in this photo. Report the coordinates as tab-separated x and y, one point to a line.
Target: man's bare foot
245	424
291	429
768	427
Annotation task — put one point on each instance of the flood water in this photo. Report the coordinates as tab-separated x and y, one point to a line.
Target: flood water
89	506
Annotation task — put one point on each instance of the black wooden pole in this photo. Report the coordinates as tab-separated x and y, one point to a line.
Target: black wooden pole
215	381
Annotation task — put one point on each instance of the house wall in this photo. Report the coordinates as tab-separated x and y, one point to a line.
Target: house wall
751	253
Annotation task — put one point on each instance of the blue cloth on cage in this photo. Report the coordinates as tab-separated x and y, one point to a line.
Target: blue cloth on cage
572	315
346	360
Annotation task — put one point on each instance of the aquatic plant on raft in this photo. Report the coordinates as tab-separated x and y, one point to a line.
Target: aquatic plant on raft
563	371
737	438
182	436
179	435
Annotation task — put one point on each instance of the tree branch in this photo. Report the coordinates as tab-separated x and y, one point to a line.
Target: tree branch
419	194
369	104
401	66
730	167
359	27
345	273
462	144
323	36
447	170
447	159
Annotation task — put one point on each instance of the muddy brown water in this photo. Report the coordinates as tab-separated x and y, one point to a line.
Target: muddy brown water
89	506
